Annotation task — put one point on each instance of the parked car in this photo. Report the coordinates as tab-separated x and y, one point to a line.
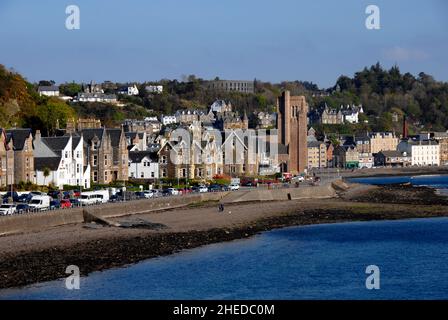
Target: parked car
75	202
203	189
55	204
214	188
40	202
173	192
148	194
140	195
24	197
234	187
7	209
94	197
14	195
22	208
65	203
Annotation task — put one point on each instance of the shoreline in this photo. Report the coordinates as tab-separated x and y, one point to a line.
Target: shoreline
111	247
396	172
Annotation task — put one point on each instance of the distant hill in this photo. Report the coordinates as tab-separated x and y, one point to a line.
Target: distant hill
17	99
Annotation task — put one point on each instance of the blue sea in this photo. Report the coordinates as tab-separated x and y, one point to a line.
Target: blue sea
307	262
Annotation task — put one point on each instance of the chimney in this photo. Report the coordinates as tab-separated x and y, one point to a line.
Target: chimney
37	135
405	128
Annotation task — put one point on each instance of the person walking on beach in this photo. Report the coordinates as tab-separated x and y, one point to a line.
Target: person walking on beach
221	207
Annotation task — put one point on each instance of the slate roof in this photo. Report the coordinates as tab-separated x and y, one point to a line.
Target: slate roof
137	156
51	163
115	135
57	144
18	136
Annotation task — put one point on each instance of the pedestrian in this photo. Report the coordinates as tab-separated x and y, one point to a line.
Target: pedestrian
221	207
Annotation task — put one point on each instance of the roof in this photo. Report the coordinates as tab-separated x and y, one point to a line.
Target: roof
138	156
56	144
47	88
18	136
315	144
88	134
51	163
115	135
393	153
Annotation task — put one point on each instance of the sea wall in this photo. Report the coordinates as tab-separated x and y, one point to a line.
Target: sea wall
33	222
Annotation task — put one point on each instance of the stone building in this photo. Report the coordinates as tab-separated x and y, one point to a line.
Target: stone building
6	160
346	157
317	154
383	141
231	86
292	114
22	142
442	139
106	151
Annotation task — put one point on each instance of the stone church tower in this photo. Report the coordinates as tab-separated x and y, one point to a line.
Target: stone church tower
292	112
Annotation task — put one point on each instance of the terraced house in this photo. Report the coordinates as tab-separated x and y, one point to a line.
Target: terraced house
6	160
60	161
106	152
22	143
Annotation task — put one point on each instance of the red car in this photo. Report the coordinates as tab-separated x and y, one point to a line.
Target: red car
66	204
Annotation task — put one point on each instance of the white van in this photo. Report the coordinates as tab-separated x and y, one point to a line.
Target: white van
40	202
94	197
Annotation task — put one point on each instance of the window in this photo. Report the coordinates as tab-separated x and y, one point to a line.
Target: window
142	175
105	175
66	155
78	154
95	160
163	173
78	168
105	159
95	176
164	159
152	174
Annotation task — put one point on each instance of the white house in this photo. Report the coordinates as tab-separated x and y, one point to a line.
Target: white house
143	165
351	114
63	158
154	89
49	91
423	153
166	120
129	91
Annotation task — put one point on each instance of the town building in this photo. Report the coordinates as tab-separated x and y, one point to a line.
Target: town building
129	90
154	89
106	152
167	120
22	142
393	158
292	114
149	125
422	152
143	165
346	157
6	160
366	160
383	141
60	161
49	91
241	86
317	154
442	139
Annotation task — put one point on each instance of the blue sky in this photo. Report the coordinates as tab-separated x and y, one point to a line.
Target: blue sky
137	40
